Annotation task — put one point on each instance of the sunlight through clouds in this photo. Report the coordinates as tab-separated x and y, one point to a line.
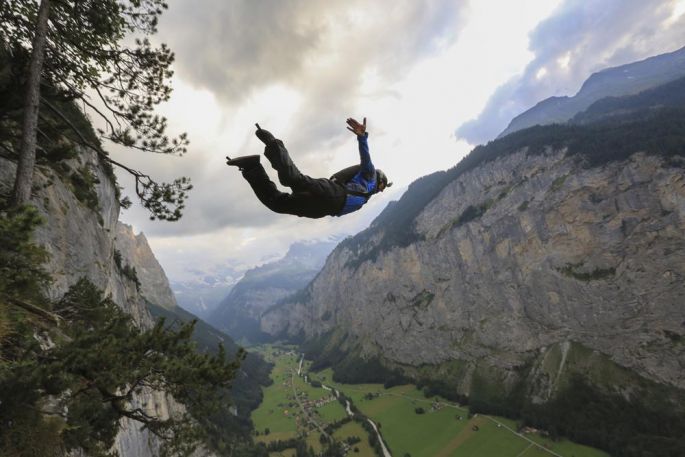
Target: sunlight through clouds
541	73
564	61
678	11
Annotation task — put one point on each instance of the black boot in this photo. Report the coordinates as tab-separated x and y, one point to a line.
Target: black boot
244	162
264	135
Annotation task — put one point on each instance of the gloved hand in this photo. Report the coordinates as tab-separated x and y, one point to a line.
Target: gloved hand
264	135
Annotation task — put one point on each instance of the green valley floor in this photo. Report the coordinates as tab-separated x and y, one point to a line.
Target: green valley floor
410	424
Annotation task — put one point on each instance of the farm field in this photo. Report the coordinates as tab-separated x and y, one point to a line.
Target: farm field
409	423
273	412
352	429
291	407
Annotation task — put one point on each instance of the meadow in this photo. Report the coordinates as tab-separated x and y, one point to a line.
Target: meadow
410	424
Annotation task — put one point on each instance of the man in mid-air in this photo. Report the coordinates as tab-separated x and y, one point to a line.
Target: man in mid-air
345	192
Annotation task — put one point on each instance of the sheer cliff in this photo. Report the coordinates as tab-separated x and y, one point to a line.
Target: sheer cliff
83	237
80	239
559	254
135	250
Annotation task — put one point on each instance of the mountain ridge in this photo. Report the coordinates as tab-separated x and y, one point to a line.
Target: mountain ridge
263	286
622	80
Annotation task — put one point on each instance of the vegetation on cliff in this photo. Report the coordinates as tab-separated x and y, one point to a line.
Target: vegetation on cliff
246	390
56	53
69	369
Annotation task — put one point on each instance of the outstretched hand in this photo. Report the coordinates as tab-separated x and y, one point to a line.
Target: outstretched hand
355	127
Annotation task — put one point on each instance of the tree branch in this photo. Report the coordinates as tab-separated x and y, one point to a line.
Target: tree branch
104	100
105	118
33	309
12	156
153	196
85	142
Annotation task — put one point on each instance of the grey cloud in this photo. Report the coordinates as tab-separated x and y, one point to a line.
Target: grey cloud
234	48
408	32
231	47
220	196
594	34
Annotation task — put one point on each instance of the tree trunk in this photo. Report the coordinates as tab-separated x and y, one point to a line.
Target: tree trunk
27	155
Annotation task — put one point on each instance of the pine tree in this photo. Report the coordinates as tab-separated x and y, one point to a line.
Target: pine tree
75	390
70	369
88	59
27	156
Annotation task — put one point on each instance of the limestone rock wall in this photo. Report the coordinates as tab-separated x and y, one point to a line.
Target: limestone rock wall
561	254
154	285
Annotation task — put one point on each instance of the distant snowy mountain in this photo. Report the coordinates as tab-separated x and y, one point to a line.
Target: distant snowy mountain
202	293
263	286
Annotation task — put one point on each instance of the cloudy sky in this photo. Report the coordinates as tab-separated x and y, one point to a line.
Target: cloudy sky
433	77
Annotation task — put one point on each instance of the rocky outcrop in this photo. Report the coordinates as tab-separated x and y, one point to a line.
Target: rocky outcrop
154	285
79	239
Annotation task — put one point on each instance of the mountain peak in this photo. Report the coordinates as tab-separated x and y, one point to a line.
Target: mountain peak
617	81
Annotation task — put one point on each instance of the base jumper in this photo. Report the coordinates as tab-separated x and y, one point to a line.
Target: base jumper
344	192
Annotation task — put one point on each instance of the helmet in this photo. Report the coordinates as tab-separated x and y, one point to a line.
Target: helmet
381	180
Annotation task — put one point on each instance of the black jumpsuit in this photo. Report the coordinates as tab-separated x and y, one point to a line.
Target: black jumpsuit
313	198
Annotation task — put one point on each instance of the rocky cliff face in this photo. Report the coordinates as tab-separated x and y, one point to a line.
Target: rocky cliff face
515	262
551	252
160	302
522	263
154	285
82	242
